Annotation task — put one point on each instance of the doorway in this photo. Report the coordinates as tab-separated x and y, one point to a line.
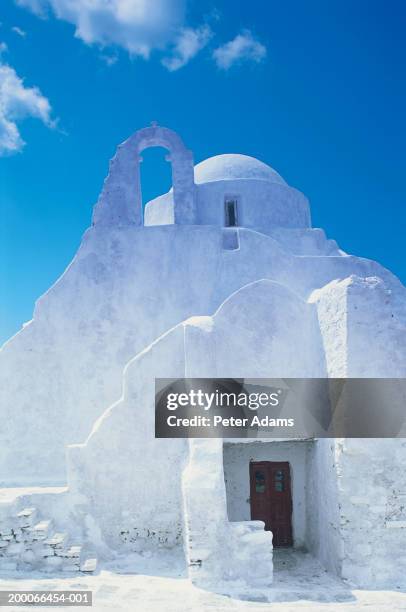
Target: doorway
271	499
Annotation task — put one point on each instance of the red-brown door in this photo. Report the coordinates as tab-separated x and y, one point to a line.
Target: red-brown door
271	499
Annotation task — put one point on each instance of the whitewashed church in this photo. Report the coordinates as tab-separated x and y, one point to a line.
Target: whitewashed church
223	276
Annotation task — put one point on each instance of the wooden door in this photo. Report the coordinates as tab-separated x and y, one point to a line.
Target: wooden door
271	499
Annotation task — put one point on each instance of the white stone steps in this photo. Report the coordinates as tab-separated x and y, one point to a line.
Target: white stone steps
27	517
71	558
42	526
89	565
40	531
26	512
7	537
57	540
73	552
70	567
27	541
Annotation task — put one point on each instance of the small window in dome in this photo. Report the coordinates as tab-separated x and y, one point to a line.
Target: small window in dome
231	211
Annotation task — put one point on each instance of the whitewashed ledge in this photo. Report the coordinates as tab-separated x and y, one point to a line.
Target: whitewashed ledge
10	494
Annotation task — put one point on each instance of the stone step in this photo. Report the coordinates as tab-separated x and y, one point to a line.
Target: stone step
57	540
51	548
26	512
27	517
70	567
6	528
7	537
89	565
71	562
40	531
73	552
16	545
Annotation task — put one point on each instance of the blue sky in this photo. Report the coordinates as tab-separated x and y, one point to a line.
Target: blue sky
316	89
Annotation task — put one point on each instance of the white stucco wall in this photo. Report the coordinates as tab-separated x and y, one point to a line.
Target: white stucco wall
246	334
129	481
372	501
237	458
65	367
260	205
355	313
264	198
304	241
357	485
323	524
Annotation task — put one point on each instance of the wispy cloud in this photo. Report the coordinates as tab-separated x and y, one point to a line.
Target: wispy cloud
18	102
138	26
19	31
39	7
187	44
109	58
146	27
244	47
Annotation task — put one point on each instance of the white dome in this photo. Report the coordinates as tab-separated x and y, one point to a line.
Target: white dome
232	166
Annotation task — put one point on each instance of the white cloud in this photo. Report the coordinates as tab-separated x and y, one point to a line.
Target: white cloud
187	44
18	102
39	7
138	26
143	26
19	31
244	47
109	59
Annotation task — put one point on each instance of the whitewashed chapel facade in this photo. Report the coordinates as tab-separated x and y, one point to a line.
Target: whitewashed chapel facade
223	276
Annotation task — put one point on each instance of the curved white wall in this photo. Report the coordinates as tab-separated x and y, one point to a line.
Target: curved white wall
261	204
